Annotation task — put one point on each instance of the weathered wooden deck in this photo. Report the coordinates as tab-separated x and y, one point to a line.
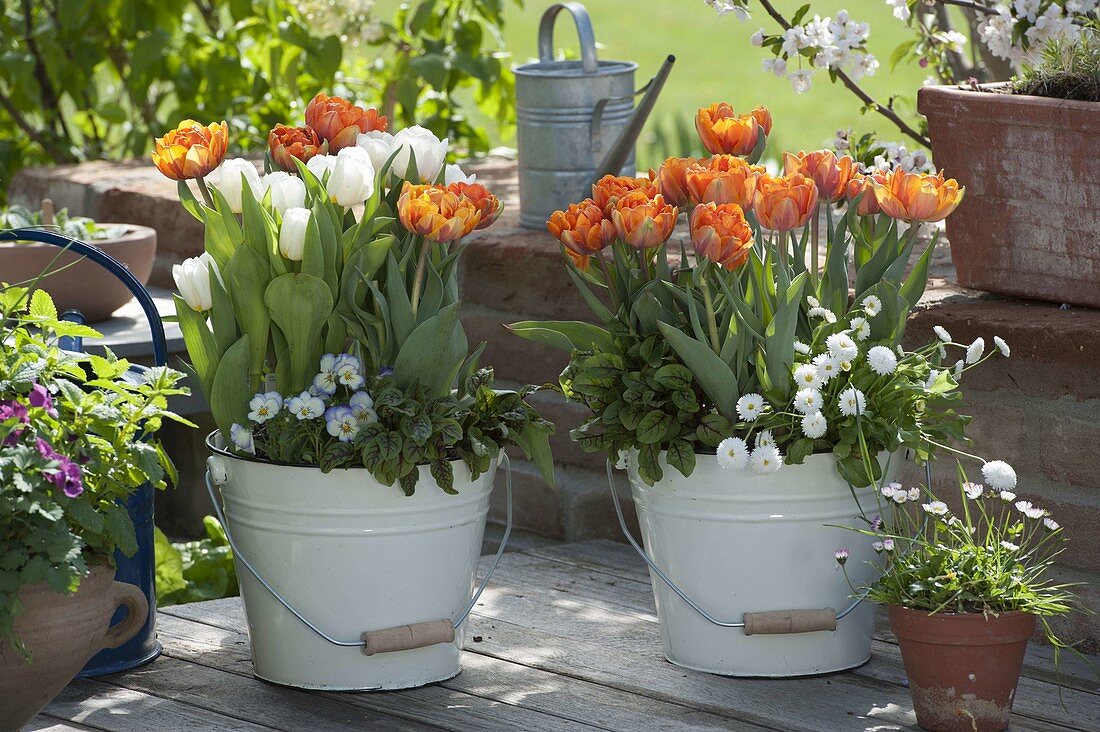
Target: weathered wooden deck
565	638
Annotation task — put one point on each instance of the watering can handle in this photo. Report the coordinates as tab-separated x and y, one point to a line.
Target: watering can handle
584	31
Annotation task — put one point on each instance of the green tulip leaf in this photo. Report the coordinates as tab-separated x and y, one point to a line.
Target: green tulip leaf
712	373
298	304
432	354
231	391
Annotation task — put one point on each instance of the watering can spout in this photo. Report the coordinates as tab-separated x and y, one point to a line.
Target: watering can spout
620	150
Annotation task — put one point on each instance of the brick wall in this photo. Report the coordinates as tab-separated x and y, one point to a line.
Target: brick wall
1039	410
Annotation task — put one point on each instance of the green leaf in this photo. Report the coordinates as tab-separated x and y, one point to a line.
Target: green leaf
711	372
230	391
681	455
653	426
201	346
534	439
298	303
432	354
169	565
779	339
567	335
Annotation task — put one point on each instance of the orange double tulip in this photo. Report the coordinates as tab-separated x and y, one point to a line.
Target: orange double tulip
192	150
644	222
721	234
672	179
723	179
489	207
918	196
724	131
583	229
830	173
864	185
786	202
436	213
289	143
339	122
609	189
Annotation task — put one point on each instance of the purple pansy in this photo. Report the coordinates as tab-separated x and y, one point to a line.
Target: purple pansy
40	397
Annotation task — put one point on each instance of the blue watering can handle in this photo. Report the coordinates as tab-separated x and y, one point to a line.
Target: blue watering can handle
112	265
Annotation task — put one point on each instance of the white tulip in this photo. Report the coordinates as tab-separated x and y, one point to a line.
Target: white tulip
429	150
227	179
193	281
379	146
352	178
453	174
292	235
287	191
319	165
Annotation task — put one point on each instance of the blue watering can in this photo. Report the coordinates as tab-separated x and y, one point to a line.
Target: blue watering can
140	569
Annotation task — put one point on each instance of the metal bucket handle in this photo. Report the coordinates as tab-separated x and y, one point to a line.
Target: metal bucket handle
772	622
385	640
595	127
584	31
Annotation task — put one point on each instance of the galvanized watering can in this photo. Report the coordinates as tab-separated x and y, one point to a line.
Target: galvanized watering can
576	119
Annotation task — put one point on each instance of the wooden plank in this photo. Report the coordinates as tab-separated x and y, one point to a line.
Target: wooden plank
106	707
45	723
214	645
620	561
482	676
267	704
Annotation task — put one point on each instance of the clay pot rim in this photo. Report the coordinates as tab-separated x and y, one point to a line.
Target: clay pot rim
999	91
961	629
134	233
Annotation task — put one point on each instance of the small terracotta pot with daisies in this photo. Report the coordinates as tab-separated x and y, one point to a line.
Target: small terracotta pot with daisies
966	587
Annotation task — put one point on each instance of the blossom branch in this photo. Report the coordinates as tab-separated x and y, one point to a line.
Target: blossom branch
853	87
969	5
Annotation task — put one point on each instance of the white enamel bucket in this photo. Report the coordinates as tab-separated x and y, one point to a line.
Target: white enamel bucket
351	556
746	549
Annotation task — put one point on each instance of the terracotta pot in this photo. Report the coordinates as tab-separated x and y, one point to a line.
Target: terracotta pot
1027	225
85	286
962	668
61	632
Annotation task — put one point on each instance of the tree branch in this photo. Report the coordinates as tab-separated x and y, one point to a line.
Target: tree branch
969	5
51	147
853	87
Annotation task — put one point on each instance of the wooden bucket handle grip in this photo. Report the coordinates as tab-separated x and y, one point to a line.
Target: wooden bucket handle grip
781	622
407	637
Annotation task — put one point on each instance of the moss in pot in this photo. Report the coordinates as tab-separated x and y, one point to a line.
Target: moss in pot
966	587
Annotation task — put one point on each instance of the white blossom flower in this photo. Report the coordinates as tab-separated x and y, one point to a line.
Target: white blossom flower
776	65
814	425
802	348
305	406
766	459
733	453
806	376
341	423
757	38
264	406
807	400
871	305
727	6
901	8
801	80
1010	546
231	176
841	556
1032	512
852	402
1051	524
999	475
1007	496
827	367
882	360
241	437
765	438
362	406
975	350
286	190
890	489
913	494
936	508
750	406
973	491
842	347
292	233
941	333
1002	346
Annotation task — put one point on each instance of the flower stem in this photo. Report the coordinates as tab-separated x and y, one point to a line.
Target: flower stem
418	280
815	225
206	197
712	326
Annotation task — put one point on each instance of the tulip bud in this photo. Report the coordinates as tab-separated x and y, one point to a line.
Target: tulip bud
292	234
287	191
379	146
352	179
429	150
454	174
193	281
227	179
321	165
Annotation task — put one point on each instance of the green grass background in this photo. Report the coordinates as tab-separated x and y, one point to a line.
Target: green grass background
716	62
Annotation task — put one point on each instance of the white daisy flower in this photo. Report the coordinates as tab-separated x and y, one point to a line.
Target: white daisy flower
871	305
806	376
827	367
1051	524
813	301
941	351
882	360
808	400
765	438
824	313
1002	346
1032	512
1010	546
959	366
814	425
750	406
733	453
999	475
888	544
766	460
802	348
841	556
932	378
941	333
936	508
913	494
852	402
1007	496
264	406
973	491
842	347
861	328
900	497
890	489
975	350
